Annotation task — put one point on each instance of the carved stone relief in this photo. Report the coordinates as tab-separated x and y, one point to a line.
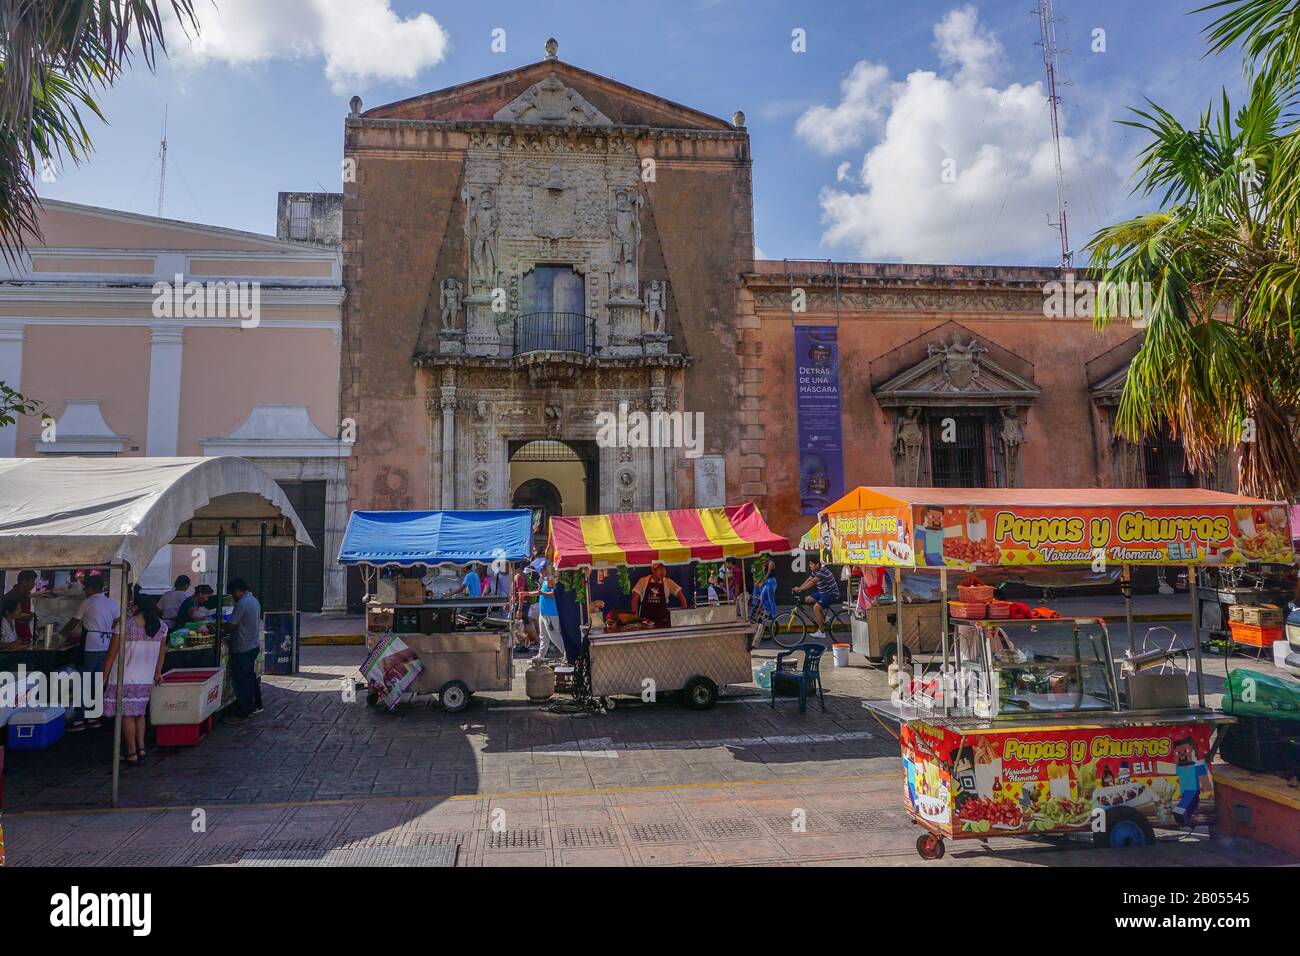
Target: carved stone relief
550	101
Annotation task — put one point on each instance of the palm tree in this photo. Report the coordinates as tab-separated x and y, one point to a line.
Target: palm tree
55	56
1221	262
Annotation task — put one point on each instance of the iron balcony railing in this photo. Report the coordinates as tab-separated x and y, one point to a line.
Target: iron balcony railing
554	332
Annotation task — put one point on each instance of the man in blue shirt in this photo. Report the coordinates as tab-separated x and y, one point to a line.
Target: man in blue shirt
245	630
548	615
826	592
471	585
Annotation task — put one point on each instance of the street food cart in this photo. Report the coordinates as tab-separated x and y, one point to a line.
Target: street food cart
1027	726
702	648
453	646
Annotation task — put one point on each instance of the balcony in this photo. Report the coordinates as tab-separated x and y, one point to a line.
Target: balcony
554	332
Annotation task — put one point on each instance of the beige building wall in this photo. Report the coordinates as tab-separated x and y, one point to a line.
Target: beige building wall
84	333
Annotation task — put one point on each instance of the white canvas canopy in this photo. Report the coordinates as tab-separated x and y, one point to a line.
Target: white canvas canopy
92	512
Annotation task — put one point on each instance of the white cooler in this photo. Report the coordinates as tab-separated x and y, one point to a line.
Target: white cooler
187	695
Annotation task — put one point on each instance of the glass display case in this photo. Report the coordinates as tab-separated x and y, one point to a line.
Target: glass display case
1039	666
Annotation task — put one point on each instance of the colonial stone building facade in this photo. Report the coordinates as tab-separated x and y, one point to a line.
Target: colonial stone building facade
528	253
522	254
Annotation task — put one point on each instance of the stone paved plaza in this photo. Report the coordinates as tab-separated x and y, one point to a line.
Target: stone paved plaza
317	780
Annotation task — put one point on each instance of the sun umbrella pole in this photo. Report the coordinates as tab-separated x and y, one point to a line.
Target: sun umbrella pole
120	668
1196	634
1126	585
944	684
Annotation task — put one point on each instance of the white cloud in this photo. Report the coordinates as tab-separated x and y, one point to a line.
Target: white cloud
996	140
361	41
831	129
962	43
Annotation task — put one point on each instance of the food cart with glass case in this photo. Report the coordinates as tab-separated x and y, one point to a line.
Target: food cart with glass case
1028	726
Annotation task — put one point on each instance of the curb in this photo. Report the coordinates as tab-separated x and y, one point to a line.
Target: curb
331	640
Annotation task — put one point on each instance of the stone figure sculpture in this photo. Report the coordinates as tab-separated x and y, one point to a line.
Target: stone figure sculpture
480	228
656	305
452	295
625	228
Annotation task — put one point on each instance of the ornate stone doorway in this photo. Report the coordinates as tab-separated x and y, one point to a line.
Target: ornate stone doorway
558	477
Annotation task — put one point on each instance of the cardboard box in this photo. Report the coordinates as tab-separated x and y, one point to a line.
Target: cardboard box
410	591
1261	615
379	619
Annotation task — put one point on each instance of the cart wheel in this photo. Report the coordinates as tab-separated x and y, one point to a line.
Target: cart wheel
889	650
454	696
1125	827
608	703
372	698
701	693
930	846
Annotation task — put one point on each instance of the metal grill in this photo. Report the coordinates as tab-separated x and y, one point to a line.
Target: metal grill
728	828
545	449
961	463
529	838
370	856
660	832
1163	462
588	836
554	332
870	820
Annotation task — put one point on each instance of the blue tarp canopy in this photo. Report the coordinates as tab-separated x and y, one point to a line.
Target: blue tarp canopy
407	538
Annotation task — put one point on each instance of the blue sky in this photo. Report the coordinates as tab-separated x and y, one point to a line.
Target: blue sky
845	172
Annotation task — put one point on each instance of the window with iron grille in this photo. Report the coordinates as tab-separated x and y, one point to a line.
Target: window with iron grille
963	462
300	219
1163	463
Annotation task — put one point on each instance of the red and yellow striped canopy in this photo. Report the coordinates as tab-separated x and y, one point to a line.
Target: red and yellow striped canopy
673	537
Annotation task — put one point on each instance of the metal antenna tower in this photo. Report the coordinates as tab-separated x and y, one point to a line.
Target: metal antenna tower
1047	24
162	155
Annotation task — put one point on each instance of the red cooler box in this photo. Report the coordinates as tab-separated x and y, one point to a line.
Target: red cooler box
181	707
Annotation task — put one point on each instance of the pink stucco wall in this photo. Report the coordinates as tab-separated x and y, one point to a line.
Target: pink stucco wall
225	372
110	364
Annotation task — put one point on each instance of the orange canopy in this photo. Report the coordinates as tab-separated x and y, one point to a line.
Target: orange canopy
673	537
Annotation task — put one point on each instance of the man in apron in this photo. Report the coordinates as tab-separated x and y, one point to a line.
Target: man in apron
97	616
652	593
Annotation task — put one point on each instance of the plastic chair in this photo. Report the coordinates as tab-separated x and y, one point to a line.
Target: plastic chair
805	679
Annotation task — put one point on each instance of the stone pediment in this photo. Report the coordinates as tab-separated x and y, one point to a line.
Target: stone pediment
528	94
550	101
956	372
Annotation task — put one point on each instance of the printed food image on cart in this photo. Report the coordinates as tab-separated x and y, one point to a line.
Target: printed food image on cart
1006	782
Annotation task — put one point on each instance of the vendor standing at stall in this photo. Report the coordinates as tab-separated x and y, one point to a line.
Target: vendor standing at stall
97	617
171	601
652	593
193	608
22	593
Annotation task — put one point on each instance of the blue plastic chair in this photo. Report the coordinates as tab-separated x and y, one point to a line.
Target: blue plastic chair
804	680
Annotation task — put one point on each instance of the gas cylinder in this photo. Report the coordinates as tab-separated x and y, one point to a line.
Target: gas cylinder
539	682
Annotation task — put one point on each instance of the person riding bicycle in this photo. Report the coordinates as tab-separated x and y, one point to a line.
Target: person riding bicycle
825	592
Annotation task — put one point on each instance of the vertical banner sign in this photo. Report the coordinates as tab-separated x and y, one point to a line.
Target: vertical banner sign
817	407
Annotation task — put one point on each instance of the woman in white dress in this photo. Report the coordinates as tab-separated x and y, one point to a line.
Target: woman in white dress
146	637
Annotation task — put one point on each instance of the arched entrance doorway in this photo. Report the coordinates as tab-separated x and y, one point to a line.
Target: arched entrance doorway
554	477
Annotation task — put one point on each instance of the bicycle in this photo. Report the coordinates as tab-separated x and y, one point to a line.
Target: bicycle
799	624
